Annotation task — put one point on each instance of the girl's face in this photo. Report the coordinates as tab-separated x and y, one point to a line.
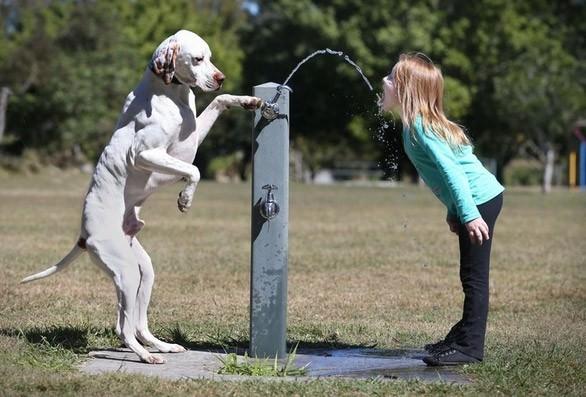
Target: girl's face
390	101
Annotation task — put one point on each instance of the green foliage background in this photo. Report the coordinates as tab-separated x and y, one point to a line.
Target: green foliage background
79	60
514	70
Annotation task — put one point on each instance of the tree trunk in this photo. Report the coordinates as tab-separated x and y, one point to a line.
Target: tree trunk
500	171
296	157
4	93
548	169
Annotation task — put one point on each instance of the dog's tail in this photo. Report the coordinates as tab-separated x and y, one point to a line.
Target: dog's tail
75	252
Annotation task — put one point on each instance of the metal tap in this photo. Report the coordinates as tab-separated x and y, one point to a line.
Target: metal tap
270	110
269	207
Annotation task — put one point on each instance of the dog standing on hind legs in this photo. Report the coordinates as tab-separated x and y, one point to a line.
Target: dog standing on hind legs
154	144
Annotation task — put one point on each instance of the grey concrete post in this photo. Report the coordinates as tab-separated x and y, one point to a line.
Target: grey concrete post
269	250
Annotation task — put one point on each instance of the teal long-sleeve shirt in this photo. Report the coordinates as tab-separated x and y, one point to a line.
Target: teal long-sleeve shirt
455	176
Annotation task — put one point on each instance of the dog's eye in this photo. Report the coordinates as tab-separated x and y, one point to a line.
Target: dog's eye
197	60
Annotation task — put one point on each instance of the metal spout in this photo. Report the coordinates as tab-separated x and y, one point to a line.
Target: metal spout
270	110
269	208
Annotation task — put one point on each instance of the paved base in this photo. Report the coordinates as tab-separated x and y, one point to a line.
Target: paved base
323	363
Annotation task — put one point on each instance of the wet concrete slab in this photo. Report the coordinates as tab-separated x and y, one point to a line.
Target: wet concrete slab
355	363
368	363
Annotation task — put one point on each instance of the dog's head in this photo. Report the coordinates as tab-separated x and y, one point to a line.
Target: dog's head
187	57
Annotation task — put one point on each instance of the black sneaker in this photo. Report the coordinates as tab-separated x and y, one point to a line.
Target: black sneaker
432	348
449	357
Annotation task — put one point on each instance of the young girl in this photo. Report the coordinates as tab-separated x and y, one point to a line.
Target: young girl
442	154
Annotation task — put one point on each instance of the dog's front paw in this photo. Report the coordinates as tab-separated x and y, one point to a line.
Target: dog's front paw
184	201
186	197
249	102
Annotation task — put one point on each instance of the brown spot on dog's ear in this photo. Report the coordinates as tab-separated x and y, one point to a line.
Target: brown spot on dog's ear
164	58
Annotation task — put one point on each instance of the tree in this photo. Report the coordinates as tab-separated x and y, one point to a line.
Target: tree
541	97
482	47
513	70
526	78
333	112
90	55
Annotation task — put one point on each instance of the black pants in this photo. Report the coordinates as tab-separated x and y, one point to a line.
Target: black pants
468	334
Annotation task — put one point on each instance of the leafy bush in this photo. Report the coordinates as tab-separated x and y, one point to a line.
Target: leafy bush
223	168
523	173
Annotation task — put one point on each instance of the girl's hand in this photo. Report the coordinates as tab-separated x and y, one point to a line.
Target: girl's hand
477	231
453	225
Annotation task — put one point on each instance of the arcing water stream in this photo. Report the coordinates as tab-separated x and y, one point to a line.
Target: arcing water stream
332	52
390	162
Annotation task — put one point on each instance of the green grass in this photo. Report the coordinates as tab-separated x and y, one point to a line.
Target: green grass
233	365
367	266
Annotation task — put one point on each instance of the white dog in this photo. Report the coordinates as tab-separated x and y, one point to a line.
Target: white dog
154	144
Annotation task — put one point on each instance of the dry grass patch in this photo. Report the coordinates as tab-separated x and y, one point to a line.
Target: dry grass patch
366	266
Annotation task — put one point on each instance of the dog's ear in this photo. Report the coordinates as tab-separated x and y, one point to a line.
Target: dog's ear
163	60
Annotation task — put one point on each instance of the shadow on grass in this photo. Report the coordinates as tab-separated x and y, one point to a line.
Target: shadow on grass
77	339
82	340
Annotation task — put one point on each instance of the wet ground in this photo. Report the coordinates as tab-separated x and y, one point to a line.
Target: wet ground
376	363
359	363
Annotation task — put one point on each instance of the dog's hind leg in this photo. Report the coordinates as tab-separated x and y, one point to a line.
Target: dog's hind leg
147	278
118	259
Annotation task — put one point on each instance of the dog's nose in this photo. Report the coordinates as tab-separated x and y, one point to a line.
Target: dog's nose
219	77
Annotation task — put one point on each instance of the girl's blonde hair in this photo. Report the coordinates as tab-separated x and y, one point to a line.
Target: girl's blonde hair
420	87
